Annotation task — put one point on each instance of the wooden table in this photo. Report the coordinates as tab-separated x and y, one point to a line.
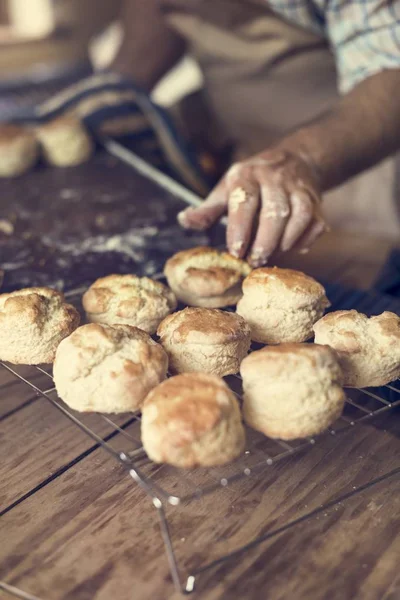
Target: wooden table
76	527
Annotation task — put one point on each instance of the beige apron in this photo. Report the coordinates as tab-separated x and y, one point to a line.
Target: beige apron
265	77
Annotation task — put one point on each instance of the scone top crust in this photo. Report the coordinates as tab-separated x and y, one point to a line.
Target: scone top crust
11	133
205	272
350	330
189	405
275	361
127	295
281	286
66	122
203	326
40	307
90	345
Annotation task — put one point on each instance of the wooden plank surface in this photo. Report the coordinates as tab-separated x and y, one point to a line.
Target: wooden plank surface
37	441
352	260
92	532
13	395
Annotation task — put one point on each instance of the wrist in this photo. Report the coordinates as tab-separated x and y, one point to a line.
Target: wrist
301	147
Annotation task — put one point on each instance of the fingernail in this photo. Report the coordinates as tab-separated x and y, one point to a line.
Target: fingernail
258	259
304	251
236	248
182	217
285	247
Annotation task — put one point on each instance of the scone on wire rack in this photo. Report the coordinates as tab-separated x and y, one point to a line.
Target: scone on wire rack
130	300
205	339
33	322
192	420
281	305
19	150
368	348
110	369
206	277
292	390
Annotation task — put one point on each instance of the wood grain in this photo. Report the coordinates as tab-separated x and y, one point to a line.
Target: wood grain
37	442
99	535
13	395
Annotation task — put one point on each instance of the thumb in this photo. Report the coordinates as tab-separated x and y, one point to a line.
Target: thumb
208	212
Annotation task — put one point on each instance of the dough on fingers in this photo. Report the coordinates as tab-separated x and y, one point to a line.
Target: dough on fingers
292	390
368	348
281	305
206	277
130	300
110	369
205	339
192	420
33	322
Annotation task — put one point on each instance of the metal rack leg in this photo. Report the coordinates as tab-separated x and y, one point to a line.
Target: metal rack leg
173	565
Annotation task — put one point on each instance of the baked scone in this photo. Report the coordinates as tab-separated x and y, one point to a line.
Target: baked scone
206	340
65	142
110	369
33	322
368	348
128	299
206	277
192	420
281	305
292	390
19	150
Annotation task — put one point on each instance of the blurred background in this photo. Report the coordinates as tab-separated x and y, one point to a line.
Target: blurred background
56	42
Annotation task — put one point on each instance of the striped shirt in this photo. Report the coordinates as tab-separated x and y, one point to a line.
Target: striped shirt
364	34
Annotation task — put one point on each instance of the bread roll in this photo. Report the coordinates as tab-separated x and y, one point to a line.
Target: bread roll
128	299
368	349
65	142
292	390
19	150
33	322
108	369
281	305
206	277
205	339
192	420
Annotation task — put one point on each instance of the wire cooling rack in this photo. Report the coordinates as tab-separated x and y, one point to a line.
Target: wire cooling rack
182	487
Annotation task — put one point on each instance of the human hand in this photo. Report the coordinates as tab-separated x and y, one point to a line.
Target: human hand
272	201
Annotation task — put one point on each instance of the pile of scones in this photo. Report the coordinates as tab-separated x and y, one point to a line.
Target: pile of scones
291	389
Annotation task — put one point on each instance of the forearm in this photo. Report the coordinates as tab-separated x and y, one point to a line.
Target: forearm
363	129
149	49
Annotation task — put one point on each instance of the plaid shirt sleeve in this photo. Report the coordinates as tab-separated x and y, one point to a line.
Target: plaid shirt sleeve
364	35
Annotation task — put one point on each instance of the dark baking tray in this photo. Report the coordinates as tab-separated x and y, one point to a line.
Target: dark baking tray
70	226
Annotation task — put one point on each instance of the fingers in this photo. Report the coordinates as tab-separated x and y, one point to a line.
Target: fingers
301	216
274	214
204	216
314	231
243	201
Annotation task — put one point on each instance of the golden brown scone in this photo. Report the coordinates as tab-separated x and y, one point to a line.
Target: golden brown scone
108	369
33	322
206	277
19	150
205	339
292	390
65	142
281	305
192	420
129	299
368	349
